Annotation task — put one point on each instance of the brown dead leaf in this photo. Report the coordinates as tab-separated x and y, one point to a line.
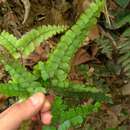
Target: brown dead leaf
61	5
2	99
81	57
95	33
126	89
106	118
109	111
81	5
57	17
94	50
10	18
40	54
112	5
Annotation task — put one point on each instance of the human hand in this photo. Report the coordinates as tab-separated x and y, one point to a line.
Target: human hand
11	118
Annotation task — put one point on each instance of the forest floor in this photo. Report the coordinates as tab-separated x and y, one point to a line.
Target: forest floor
18	19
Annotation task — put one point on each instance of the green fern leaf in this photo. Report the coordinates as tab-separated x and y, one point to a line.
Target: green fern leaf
48	128
32	39
12	89
72	40
27	43
124	59
18	73
57	67
74	87
105	45
83	111
70	117
9	42
22	90
21	81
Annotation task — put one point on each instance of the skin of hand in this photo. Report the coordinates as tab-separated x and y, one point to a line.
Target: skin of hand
11	118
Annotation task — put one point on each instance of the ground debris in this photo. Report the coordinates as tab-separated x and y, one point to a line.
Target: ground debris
27	6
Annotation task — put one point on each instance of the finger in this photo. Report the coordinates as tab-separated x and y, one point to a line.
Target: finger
46	118
46	106
21	111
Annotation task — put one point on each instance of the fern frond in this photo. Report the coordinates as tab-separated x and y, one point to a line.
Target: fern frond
12	89
70	117
49	128
124	59
83	88
74	87
9	42
18	73
21	81
59	105
75	121
78	88
83	111
21	90
105	45
27	43
57	67
123	47
71	41
26	80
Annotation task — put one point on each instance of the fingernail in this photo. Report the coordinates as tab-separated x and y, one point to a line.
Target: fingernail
46	118
37	99
46	106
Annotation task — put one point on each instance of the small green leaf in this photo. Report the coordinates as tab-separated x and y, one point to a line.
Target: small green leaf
48	128
65	126
126	33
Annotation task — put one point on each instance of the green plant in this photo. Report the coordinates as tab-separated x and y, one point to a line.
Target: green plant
58	65
68	117
123	3
52	74
105	45
28	42
23	83
55	71
120	63
124	54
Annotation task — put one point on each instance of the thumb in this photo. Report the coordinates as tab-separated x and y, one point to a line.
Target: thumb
19	112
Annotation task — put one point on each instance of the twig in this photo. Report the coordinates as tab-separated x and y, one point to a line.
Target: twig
27	5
